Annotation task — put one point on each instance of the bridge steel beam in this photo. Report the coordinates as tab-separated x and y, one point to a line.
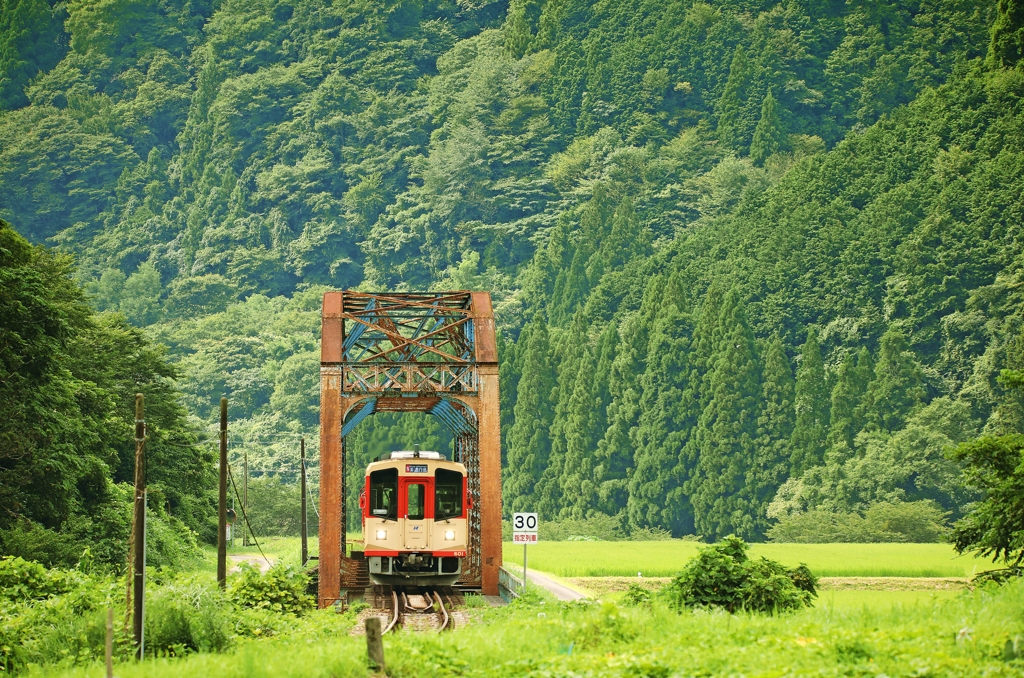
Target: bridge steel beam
430	352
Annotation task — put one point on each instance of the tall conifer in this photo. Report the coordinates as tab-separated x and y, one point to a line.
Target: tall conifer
1006	46
732	127
846	418
616	450
726	432
774	427
567	357
812	408
606	471
529	439
898	384
509	380
668	413
578	481
520	26
571	288
769	135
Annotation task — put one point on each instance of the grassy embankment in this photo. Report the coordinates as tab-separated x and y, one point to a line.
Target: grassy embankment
961	636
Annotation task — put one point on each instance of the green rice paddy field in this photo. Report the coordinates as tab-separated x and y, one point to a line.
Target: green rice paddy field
666	558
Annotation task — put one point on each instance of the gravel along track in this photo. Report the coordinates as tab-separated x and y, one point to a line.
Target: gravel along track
416	610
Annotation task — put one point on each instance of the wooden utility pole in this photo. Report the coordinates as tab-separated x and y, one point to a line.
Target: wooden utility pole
245	495
139	529
222	501
305	541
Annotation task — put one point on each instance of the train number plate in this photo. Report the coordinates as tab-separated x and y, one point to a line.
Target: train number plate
415	468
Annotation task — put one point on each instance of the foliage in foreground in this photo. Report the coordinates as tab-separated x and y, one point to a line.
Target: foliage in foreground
963	636
59	616
722	576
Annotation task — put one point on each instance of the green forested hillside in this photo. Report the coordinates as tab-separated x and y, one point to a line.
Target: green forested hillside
750	258
68	377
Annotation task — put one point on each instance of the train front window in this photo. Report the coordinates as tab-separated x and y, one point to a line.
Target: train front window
384	493
416	501
447	494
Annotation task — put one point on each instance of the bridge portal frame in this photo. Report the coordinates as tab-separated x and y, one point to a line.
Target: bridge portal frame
432	352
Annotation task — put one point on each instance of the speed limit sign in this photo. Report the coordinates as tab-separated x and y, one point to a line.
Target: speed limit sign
524	528
524	531
524	522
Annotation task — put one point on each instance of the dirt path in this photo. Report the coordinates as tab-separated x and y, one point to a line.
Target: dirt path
553	587
256	561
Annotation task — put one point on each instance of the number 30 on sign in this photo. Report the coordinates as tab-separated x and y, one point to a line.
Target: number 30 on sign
524	522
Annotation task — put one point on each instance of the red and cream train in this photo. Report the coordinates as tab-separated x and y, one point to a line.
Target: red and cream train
415	510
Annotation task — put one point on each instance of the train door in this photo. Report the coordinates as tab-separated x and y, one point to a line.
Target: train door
417	527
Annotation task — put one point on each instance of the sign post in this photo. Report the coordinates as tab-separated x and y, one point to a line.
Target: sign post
524	531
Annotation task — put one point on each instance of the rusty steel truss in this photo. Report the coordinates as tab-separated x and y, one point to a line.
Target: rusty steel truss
429	352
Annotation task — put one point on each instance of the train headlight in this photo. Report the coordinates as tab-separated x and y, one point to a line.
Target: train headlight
382	534
449	535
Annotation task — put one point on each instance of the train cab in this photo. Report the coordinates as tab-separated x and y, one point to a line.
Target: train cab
415	508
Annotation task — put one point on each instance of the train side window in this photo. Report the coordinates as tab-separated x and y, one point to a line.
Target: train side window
415	501
384	493
447	494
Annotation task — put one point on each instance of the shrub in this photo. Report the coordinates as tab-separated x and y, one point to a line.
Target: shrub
53	616
169	542
649	534
186	616
23	580
281	589
722	576
32	541
917	522
598	527
636	595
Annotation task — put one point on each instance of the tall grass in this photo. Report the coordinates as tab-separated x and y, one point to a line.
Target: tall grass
666	558
962	636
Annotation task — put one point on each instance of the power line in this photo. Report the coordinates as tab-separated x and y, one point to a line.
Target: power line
245	516
312	503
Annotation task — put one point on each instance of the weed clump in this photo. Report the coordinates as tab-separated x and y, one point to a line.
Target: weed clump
24	580
281	589
723	576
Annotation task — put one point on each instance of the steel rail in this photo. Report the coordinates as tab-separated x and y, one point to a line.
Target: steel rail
445	619
394	606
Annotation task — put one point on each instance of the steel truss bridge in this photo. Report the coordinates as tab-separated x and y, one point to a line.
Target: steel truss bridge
429	352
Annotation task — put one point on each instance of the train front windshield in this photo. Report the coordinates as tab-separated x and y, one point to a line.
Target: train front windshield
447	494
384	493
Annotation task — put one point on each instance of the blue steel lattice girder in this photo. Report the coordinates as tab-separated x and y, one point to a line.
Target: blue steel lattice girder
366	410
357	332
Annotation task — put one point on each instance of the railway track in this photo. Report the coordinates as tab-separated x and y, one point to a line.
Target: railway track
418	609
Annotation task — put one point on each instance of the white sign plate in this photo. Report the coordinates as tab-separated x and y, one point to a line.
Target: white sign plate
524	522
524	528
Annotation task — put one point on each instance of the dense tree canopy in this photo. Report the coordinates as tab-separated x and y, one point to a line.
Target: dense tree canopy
69	378
750	259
